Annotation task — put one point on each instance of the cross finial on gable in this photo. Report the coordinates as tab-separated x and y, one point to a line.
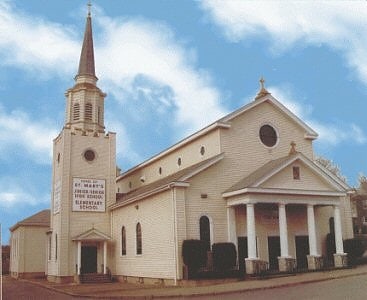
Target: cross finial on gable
263	91
293	148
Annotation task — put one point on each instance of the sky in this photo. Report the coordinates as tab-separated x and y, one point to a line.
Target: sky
170	68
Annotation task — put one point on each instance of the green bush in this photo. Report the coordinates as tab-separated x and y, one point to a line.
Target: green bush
224	256
355	249
194	255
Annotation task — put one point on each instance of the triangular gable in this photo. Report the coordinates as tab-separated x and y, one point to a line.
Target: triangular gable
309	132
92	235
277	174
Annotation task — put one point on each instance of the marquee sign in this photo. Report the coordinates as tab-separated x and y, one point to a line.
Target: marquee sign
89	195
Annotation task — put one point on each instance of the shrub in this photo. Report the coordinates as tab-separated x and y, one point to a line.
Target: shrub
194	255
224	256
355	249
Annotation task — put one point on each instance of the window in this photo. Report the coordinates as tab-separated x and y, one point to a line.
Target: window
268	136
139	245
202	150
76	112
160	170
205	231
99	115
296	173
179	161
123	241
89	155
88	112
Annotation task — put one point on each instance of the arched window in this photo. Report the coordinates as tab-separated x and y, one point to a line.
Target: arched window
76	111
123	241
88	112
205	231
139	245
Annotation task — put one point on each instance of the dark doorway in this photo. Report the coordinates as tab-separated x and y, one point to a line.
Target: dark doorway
302	250
89	259
274	252
242	253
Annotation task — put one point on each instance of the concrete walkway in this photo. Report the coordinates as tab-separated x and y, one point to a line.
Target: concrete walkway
207	287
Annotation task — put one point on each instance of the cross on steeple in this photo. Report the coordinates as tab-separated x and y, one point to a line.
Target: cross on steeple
89	8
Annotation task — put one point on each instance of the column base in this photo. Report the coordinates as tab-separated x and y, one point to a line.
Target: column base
315	262
286	264
340	260
255	266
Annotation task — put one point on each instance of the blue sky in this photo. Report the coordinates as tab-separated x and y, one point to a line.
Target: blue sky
171	67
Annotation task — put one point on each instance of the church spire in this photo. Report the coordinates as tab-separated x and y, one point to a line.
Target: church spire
86	62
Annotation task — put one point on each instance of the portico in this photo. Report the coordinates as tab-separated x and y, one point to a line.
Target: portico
91	252
278	217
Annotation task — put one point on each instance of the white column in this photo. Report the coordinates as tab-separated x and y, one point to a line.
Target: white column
105	257
311	229
231	221
338	231
283	231
79	256
251	231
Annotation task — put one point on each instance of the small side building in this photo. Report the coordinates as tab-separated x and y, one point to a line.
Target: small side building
28	243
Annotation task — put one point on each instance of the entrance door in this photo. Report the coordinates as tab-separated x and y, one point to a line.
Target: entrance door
274	252
242	253
89	259
302	250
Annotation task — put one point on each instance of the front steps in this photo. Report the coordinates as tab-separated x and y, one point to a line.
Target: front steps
95	278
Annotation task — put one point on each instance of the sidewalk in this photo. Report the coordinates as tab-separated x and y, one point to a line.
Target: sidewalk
207	287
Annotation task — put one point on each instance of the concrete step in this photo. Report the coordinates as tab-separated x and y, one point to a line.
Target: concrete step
95	278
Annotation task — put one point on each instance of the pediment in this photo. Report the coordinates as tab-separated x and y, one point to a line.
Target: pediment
278	175
92	235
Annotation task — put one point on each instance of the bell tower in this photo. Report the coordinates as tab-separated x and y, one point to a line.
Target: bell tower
83	179
85	101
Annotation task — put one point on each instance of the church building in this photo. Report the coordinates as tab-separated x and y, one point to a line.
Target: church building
250	178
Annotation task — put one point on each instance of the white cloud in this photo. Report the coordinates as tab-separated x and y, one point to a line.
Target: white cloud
134	49
330	134
33	43
18	132
338	24
13	193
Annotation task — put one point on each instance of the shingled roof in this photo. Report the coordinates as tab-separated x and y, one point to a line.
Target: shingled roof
180	176
41	219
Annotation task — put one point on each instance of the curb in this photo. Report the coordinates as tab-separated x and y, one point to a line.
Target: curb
180	292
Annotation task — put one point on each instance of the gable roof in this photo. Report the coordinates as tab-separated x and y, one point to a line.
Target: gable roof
165	183
92	235
224	122
310	133
41	219
273	167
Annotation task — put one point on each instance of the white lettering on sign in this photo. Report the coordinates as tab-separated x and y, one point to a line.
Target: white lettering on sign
89	195
57	195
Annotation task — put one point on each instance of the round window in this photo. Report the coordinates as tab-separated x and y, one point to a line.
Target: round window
89	155
268	135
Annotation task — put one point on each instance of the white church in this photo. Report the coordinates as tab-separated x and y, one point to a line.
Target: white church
250	178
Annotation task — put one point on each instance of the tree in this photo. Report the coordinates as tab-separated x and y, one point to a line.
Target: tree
331	167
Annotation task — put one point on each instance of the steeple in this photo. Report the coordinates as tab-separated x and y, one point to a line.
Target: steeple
85	101
86	62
